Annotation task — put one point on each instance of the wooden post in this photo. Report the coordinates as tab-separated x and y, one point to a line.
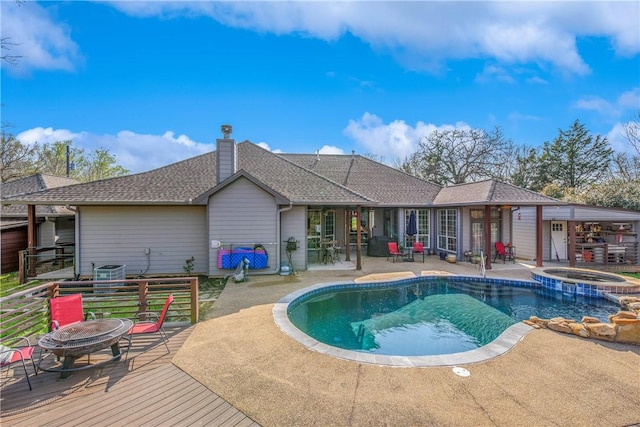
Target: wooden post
572	243
358	239
143	297
195	305
347	238
539	236
31	239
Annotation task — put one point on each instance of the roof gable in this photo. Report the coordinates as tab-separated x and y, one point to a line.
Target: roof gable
491	192
32	184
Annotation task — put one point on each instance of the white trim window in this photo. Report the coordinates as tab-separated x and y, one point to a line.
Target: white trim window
448	229
422	221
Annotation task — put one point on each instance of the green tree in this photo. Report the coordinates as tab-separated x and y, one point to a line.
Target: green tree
52	158
614	193
16	159
100	165
575	159
19	160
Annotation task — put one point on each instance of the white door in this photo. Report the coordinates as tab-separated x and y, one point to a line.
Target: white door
559	240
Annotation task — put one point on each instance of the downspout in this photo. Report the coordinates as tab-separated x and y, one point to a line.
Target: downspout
76	251
278	237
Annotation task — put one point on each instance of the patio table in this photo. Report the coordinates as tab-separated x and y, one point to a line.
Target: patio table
74	341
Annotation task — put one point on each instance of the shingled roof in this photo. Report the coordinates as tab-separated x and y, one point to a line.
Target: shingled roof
379	182
297	178
31	184
490	192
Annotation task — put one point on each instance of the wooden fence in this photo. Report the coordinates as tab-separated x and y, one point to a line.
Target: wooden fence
26	313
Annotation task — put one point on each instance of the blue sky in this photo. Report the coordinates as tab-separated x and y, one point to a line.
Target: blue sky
153	81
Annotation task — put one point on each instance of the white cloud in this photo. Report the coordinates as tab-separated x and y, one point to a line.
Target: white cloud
393	141
331	149
133	151
627	101
40	41
630	99
492	72
516	116
597	104
618	141
421	35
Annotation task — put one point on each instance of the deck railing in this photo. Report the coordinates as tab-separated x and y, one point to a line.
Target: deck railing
605	254
26	313
35	261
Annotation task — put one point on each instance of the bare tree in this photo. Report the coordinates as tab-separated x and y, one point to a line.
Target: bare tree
6	44
16	159
455	156
632	133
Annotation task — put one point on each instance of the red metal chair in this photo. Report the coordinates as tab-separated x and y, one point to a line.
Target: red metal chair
11	355
67	310
149	326
500	252
393	251
418	248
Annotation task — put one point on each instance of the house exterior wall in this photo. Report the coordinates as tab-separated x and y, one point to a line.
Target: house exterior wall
587	213
46	237
242	215
293	225
65	230
524	233
464	243
119	235
46	233
12	241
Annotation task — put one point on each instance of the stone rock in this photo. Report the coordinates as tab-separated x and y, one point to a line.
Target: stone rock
628	334
625	321
579	329
634	306
599	330
626	315
559	327
589	319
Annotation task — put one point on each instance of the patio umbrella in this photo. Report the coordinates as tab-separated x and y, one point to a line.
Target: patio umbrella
412	226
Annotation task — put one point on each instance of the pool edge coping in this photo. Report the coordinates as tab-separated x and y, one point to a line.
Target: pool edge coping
502	344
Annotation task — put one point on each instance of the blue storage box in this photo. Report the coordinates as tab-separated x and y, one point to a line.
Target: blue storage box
229	259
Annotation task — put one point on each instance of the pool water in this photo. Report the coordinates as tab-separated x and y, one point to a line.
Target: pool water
431	318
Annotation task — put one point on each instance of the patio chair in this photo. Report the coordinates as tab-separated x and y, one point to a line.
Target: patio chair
501	252
11	355
151	325
393	251
67	310
418	248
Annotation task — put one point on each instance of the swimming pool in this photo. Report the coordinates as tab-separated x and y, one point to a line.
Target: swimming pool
426	318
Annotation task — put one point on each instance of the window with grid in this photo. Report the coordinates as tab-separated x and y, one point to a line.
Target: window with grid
447	229
422	220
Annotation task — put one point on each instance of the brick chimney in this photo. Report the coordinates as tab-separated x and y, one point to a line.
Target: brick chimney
227	154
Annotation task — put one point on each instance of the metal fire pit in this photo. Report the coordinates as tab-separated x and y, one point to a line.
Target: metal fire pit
83	338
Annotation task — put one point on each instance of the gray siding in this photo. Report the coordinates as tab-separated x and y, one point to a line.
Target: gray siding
243	214
227	160
524	233
65	230
294	225
120	234
588	213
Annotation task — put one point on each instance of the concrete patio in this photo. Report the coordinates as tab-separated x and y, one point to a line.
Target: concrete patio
546	379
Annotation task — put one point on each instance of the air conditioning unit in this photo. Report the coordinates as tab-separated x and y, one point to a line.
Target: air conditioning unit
108	272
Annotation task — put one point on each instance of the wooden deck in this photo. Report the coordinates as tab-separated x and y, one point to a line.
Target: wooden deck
145	390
